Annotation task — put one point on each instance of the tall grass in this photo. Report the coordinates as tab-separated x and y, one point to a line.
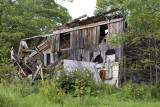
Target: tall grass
68	91
11	97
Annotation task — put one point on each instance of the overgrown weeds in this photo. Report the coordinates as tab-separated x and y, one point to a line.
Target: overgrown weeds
76	88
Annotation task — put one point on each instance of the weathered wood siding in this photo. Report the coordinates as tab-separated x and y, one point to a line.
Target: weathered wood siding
85	42
116	27
55	43
84	38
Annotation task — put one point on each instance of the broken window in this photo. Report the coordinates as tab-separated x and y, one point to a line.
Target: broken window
98	59
103	33
64	40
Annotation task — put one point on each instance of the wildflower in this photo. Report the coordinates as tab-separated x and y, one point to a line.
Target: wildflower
45	90
46	81
124	87
59	93
53	84
42	82
4	81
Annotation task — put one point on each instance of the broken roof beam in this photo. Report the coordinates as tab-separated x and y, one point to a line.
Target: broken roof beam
76	28
39	36
22	46
77	19
110	11
87	26
71	23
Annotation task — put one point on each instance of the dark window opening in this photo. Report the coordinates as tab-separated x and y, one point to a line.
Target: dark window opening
48	59
126	25
64	44
35	42
64	40
98	59
103	33
110	52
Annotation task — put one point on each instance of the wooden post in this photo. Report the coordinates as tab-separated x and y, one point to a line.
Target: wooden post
19	72
35	74
42	74
45	59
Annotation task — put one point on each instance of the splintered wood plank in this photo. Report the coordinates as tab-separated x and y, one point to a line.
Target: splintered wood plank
97	35
53	44
85	38
89	32
109	28
115	28
71	40
81	39
93	35
57	42
120	27
122	23
38	69
75	39
112	28
78	40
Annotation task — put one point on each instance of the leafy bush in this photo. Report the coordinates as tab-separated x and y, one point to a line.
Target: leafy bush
78	82
138	91
7	70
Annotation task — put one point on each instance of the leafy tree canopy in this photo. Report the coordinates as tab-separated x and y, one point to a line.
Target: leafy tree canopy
26	18
143	19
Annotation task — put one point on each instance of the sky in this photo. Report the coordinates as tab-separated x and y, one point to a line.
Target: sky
78	8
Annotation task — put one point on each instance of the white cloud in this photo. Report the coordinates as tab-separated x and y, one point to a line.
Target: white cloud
79	7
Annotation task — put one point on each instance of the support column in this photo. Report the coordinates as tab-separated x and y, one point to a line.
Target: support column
45	59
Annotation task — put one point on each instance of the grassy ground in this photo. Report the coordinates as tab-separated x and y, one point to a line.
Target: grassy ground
29	96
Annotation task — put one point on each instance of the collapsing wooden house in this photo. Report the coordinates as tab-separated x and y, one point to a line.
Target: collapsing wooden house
82	40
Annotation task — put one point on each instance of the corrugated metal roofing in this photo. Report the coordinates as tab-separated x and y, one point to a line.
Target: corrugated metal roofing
70	65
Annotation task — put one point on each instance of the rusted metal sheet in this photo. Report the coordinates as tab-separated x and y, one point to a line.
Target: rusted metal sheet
71	65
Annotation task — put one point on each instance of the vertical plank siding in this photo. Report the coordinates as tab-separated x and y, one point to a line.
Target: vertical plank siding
83	42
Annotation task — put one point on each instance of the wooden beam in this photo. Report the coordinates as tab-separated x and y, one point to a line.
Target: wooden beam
65	40
59	59
67	49
19	73
39	36
87	26
110	11
41	73
21	68
38	69
39	41
76	28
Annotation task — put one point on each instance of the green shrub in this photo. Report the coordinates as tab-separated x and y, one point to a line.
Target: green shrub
155	91
78	82
7	70
139	91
